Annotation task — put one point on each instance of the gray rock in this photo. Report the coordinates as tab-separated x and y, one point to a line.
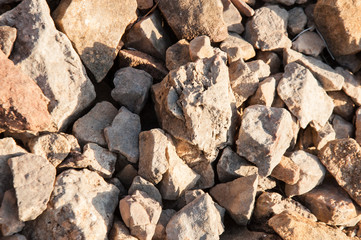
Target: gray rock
119	231
143	185
232	17
7	39
177	55
297	20
323	136
351	85
342	128
265	93
287	171
123	135
9	217
304	97
236	47
33	180
264	136
50	60
309	43
132	88
90	127
160	230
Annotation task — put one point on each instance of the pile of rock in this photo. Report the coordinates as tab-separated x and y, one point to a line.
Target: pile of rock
174	119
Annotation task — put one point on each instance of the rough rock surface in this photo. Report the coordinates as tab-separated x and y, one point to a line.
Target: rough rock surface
351	85
232	17
33	180
143	185
358	126
177	55
344	106
265	93
160	230
50	60
264	136
272	59
7	39
309	43
236	47
323	136
120	232
95	29
82	205
9	217
287	171
342	128
127	174
297	20
200	47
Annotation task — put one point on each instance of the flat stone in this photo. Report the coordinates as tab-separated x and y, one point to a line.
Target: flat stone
358	125
119	231
232	17
237	197
90	127
123	135
342	159
177	55
312	173
200	47
297	88
140	213
9	217
264	136
287	171
309	43
335	19
195	18
267	29
185	224
33	180
160	230
50	60
95	30
82	205
265	93
143	185
351	85
7	39
132	88
297	20
272	59
342	128
236	47
127	174
323	136
23	106
343	105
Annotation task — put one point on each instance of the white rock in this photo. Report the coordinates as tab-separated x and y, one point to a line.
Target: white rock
236	47
143	185
200	47
265	93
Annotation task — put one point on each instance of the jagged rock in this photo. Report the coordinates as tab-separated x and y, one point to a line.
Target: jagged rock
312	173
82	205
144	4
9	217
343	105
140	184
297	20
323	136
23	106
140	213
264	136
177	55
199	219
336	19
272	59
127	174
200	47
358	126
206	175
89	128
237	197
88	24
350	62
309	43
195	18
33	180
265	184
7	39
236	47
342	128
50	60
304	97
120	232
260	68
123	135
131	88
267	29
160	230
265	93
204	122
232	17
351	85
148	36
287	171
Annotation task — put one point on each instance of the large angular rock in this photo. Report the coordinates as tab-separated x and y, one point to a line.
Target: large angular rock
342	158
33	180
342	128
265	93
47	56
287	171
236	47
95	29
351	85
7	39
123	135
264	136
338	20
194	19
9	216
82	205
297	20
304	97
199	219
206	175
237	197
195	104
23	106
267	29
321	137
200	47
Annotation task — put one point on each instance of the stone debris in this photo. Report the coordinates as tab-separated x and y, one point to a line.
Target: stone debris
323	136
342	128
351	85
7	39
177	55
297	20
265	93
309	43
260	68
236	47
287	171
140	184
9	216
120	232
343	105
232	17
200	47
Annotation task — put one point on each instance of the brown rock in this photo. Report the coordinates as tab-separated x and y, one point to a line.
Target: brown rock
177	55
309	43
323	136
350	62
143	185
351	85
297	20
7	39
120	232
236	47
160	230
358	126
343	128
343	105
232	17
287	171
144	4
272	59
265	93
127	174
206	174
200	47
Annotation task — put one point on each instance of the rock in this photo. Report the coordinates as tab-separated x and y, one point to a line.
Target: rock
330	79
195	18
267	29
50	60
332	205
160	230
177	55
260	68
236	232
265	93
237	197
89	128
127	174
292	226
342	128
206	175
15	237
340	19
232	17
236	47
82	205
204	122
284	2
52	146
200	47
144	4
297	88
140	184
232	166
9	217
343	105
23	106
140	213
287	171
265	184
88	24
132	88
342	158
272	59
309	43
350	62
358	126
265	140
123	135
297	20
323	136
120	232
312	173
7	39
148	36
351	85
33	180
191	195
199	219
